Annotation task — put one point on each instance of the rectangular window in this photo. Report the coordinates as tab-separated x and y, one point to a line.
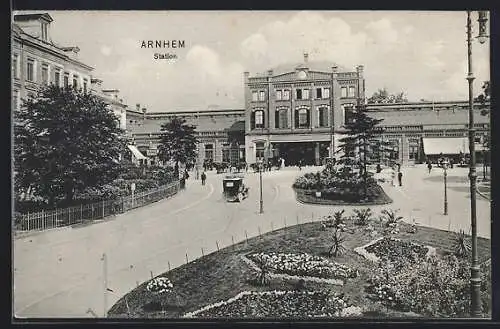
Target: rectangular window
255	96
45	74
259	150
298	94
319	93
30	70
352	91
278	95
66	79
262	96
57	77
343	92
305	94
75	81
286	94
84	85
326	92
15	65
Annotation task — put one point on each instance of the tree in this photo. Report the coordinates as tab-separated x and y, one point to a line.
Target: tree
178	143
383	96
358	144
64	142
484	104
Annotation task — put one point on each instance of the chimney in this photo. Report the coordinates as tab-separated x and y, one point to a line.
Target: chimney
144	110
270	72
335	69
138	107
306	57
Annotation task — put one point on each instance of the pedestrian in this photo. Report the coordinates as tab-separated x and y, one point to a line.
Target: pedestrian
400	178
399	167
429	166
300	164
203	178
393	175
186	175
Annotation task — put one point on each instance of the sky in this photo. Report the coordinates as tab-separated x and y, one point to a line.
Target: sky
421	53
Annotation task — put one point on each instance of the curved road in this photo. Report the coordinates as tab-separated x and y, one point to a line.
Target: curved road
60	273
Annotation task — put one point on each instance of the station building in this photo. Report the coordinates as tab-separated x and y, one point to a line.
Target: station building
37	60
295	111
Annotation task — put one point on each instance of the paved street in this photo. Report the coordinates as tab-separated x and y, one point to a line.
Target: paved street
60	273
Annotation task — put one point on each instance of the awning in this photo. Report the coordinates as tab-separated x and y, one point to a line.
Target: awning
445	145
449	145
137	154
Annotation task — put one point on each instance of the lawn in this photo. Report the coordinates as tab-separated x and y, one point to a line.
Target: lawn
224	284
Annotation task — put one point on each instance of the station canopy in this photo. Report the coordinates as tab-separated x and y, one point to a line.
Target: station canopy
448	145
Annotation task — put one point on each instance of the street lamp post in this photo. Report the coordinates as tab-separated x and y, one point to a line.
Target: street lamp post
445	190
260	178
475	275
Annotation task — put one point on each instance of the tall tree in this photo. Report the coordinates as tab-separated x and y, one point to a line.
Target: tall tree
65	141
359	143
178	143
383	96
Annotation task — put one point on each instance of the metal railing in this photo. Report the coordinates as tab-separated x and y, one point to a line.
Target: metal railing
48	219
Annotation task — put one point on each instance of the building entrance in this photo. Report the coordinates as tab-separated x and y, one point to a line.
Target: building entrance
311	153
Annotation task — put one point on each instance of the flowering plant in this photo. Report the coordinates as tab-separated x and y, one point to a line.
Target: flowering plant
279	304
303	265
159	285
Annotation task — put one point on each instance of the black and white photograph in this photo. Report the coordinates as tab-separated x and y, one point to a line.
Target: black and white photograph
251	164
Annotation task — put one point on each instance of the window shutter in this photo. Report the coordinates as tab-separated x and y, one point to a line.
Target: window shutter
252	120
277	119
296	118
308	122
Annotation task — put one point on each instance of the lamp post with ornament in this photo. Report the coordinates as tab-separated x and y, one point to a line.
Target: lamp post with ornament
475	280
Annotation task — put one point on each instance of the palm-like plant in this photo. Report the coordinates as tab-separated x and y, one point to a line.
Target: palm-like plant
390	217
263	276
462	244
362	216
337	248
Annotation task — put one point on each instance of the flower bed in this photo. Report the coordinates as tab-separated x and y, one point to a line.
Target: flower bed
303	265
279	304
394	250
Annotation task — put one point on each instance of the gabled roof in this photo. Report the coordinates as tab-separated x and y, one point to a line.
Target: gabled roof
318	66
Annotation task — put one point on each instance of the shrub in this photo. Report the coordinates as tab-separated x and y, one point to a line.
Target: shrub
362	217
438	286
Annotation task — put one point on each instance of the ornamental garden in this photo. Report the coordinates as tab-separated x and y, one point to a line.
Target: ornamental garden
359	264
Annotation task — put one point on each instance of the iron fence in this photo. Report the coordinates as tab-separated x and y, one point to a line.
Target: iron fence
48	219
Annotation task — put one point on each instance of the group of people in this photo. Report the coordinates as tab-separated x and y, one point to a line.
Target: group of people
397	167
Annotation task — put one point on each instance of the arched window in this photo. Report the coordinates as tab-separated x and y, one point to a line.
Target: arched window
281	118
302	118
323	117
259	119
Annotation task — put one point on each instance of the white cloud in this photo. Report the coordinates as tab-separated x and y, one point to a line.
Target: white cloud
382	31
105	50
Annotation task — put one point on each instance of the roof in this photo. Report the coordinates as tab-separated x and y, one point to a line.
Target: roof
321	66
426	117
30	17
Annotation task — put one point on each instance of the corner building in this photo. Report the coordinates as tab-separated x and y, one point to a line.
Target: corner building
295	112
